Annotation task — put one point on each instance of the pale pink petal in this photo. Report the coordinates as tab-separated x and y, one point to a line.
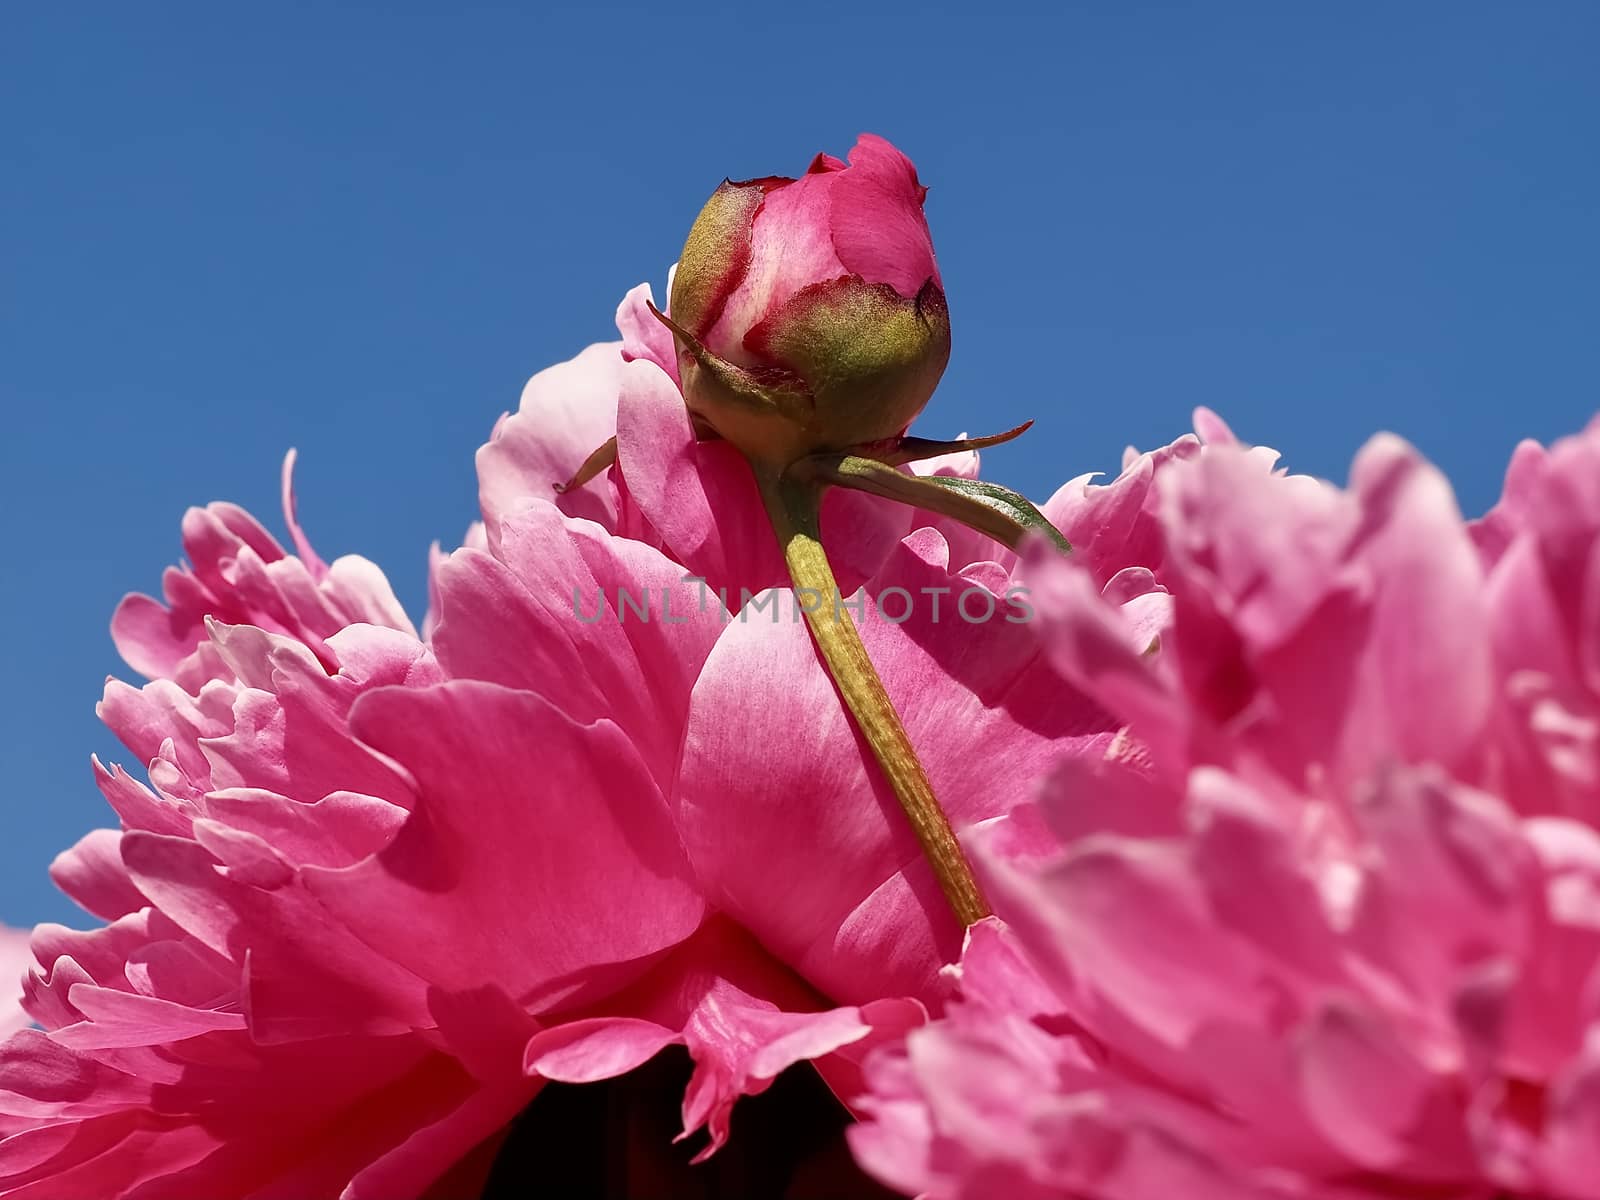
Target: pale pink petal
1324	920
643	336
291	518
567	412
1374	1100
16	959
879	231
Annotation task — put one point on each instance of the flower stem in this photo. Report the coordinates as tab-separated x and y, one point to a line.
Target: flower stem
794	506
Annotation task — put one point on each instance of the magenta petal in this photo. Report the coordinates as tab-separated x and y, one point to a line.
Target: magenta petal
1572	1157
123	1019
1115	905
600	626
739	1016
1431	654
288	944
291	517
240	575
93	875
1094	645
598	1048
700	497
539	848
336	831
484	1032
878	228
150	638
144	718
433	1150
791	246
290	730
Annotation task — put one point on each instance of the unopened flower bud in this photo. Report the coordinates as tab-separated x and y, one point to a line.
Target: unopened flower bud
809	312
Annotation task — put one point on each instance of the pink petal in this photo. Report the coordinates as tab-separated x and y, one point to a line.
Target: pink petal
92	873
1373	1100
791	246
972	695
700	497
16	960
644	337
567	411
742	1019
291	518
879	231
538	848
602	627
289	730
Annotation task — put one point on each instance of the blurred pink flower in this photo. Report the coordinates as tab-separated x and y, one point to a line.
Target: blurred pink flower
1324	918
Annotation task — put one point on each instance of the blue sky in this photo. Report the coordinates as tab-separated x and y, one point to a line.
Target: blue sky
357	229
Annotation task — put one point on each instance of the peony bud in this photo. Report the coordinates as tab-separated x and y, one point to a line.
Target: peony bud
809	312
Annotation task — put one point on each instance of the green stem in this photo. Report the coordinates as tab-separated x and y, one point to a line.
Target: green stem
793	506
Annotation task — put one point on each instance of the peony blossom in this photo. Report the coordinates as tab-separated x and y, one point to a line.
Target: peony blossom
387	890
450	870
1321	921
1286	797
358	847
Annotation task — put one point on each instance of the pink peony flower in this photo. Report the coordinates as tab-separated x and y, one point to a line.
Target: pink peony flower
448	871
223	1035
1321	921
678	520
1285	798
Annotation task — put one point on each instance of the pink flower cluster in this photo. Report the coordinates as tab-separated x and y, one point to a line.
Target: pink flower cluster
1288	803
1324	920
380	888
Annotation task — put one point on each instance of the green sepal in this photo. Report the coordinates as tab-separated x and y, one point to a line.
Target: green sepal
599	461
782	392
992	510
898	451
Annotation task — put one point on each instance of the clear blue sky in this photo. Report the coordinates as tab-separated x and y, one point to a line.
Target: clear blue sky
357	228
